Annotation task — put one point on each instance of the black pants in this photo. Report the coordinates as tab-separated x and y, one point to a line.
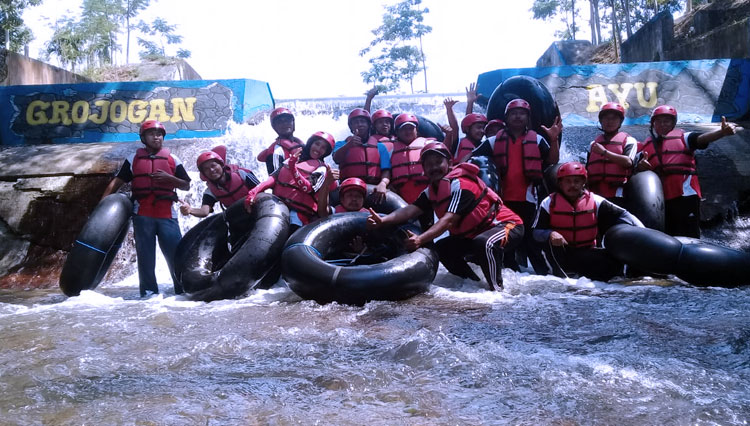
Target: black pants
527	212
486	250
594	263
682	216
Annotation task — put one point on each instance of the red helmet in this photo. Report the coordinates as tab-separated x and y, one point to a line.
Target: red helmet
358	112
381	113
406	118
612	106
438	147
495	122
664	110
572	168
472	119
208	156
517	103
278	112
353	183
326	137
152	124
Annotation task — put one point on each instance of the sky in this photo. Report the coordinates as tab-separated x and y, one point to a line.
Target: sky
309	48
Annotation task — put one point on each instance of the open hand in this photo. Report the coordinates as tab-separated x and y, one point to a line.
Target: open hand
374	220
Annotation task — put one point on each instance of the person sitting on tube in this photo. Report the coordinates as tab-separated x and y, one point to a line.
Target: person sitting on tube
611	155
363	156
226	183
352	193
480	225
670	153
569	222
303	182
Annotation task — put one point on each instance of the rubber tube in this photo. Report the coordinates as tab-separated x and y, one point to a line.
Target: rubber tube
233	251
96	245
644	198
308	274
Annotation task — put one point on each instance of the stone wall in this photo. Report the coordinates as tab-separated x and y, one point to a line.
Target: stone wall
731	41
568	52
652	42
16	69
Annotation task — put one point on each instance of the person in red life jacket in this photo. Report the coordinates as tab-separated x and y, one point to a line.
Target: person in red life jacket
569	222
226	183
302	182
670	153
611	155
282	122
493	127
521	155
473	127
382	129
352	193
154	174
480	225
407	179
363	157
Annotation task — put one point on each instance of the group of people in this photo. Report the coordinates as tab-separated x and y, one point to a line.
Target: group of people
559	233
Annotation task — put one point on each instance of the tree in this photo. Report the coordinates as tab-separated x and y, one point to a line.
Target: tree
547	9
132	9
398	58
67	44
164	34
14	31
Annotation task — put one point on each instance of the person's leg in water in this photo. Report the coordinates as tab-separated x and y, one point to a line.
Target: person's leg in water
144	232
168	232
488	250
451	251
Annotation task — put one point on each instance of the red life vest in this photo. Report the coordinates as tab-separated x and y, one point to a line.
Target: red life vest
602	172
673	161
405	164
362	161
673	155
486	202
287	145
145	164
578	224
465	146
385	140
532	158
288	191
229	191
341	209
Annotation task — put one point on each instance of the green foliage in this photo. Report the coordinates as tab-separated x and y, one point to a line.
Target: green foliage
397	57
566	9
164	35
640	12
11	20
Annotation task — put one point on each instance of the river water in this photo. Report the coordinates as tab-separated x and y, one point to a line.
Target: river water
545	350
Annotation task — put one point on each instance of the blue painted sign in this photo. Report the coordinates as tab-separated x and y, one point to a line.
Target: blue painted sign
701	91
113	112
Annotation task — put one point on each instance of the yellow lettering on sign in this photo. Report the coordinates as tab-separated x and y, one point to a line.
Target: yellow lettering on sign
652	97
182	109
118	111
104	107
137	111
621	92
60	113
80	112
158	111
597	97
35	113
